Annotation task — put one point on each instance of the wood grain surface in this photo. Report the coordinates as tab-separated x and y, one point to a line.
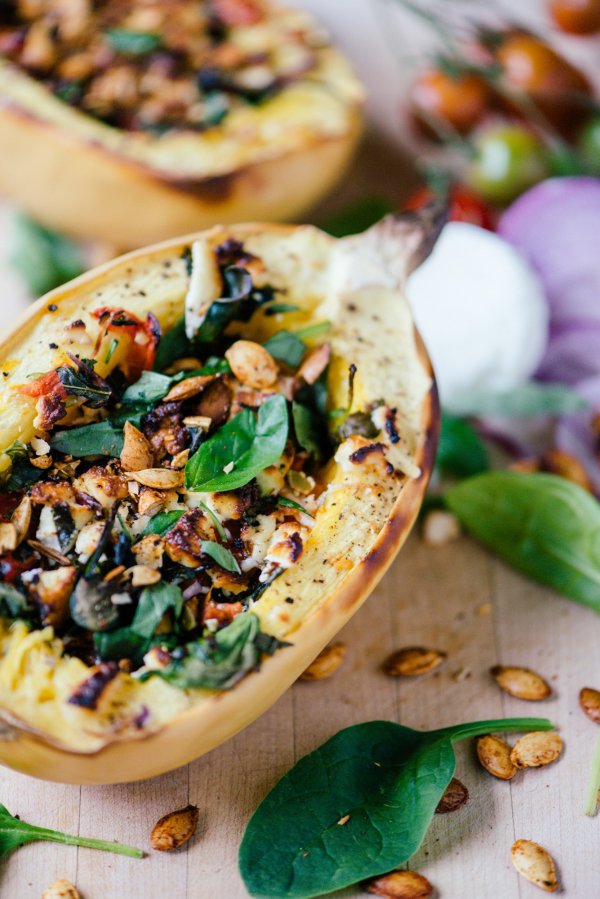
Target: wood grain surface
456	598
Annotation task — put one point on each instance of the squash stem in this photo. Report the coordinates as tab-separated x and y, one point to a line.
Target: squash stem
478	728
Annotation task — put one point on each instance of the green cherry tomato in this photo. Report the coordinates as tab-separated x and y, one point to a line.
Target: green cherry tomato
589	145
508	160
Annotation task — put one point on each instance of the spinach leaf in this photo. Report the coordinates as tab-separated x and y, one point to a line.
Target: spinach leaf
13	603
133	43
358	217
388	780
284	501
123	643
149	388
221	555
250	442
22	473
461	452
529	399
163	522
99	439
43	258
286	347
309	429
173	345
14	833
153	603
544	525
218	662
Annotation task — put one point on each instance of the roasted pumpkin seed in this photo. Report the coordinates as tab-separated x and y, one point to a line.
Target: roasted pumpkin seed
536	749
494	754
522	683
158	478
400	885
589	700
413	661
455	796
173	830
327	662
252	364
61	889
136	454
535	864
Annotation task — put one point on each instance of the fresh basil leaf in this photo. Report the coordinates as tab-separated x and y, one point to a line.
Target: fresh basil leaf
151	387
133	43
278	308
250	442
461	452
388	779
309	430
543	525
286	347
221	555
358	217
99	439
220	661
13	603
22	474
83	382
528	400
173	345
163	522
44	259
153	603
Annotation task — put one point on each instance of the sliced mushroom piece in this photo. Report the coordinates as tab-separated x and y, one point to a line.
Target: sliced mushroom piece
91	605
214	403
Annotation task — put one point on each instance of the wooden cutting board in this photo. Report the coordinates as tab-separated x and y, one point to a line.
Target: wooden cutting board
456	598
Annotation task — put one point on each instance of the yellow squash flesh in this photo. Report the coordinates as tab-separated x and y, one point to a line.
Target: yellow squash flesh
356	284
127	189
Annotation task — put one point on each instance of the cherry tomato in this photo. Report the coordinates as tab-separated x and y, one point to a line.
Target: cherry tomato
576	16
464	205
530	66
589	145
508	160
452	101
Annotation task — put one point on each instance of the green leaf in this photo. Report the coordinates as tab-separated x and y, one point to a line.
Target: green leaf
309	429
151	387
99	439
284	501
286	347
218	662
83	382
387	778
543	525
133	43
13	603
22	473
14	833
44	259
278	308
461	452
530	399
221	555
153	603
313	330
358	217
163	522
250	442
123	643
173	345
215	520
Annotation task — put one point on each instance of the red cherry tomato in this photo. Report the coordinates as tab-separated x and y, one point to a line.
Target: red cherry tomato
530	66
456	101
144	337
464	205
576	16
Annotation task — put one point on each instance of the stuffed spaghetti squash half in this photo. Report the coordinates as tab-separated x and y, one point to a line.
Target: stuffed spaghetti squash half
185	113
211	450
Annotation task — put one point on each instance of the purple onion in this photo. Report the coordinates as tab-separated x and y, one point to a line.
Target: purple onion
575	432
556	226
